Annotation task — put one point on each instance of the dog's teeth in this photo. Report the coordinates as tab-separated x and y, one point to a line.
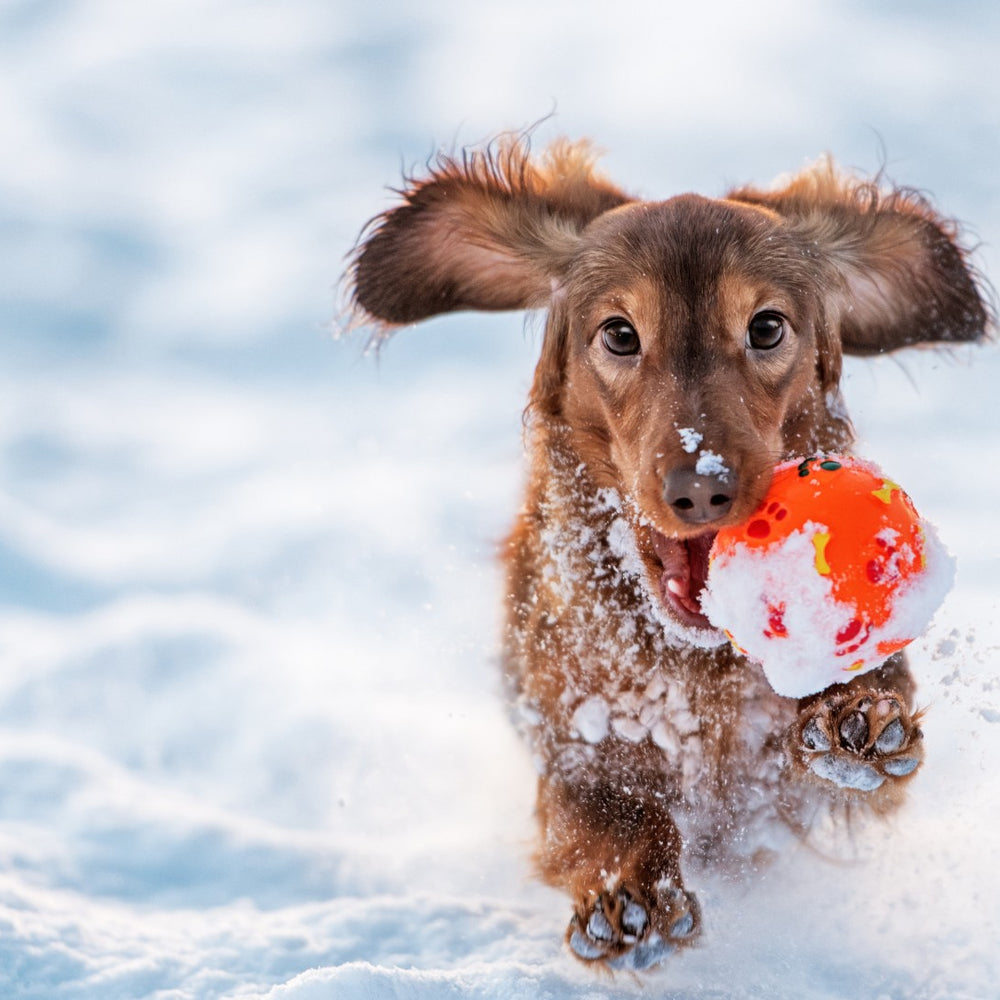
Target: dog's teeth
680	588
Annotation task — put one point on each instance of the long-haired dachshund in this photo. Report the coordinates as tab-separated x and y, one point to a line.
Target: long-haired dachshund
677	331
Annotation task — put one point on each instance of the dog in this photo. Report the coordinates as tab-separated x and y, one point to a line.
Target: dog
690	345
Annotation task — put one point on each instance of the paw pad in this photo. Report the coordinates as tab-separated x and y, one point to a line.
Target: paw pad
813	737
901	766
645	955
892	738
846	773
598	928
854	731
623	933
858	741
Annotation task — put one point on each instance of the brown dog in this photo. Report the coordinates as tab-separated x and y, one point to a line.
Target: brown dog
690	345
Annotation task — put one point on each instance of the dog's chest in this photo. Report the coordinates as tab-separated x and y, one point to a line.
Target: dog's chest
598	670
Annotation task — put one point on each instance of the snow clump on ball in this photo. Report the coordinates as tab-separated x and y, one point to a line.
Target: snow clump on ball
833	573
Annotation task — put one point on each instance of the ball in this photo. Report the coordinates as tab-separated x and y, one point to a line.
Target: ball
832	574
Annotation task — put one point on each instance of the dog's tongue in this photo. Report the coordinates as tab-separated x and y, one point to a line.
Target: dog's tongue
685	569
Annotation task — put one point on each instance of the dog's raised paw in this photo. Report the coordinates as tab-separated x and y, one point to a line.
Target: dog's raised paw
859	740
616	928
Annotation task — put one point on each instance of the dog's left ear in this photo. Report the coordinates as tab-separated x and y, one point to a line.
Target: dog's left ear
898	275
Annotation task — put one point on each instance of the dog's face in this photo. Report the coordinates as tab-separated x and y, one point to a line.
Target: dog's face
692	335
690	344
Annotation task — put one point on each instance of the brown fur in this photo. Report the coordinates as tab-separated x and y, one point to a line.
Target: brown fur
658	746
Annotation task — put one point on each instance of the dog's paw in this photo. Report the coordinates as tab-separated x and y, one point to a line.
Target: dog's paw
622	932
859	740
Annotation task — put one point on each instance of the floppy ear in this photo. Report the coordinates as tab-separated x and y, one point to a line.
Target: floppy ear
898	274
491	230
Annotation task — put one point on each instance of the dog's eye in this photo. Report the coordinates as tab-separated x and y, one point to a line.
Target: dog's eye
766	330
619	337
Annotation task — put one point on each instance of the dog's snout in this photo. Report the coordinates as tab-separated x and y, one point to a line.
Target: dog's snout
699	498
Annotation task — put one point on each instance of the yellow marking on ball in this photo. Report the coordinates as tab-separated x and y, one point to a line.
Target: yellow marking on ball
820	541
885	492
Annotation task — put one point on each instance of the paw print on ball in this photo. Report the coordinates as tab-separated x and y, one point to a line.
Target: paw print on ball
760	525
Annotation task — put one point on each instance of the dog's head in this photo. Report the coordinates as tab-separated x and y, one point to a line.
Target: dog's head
690	344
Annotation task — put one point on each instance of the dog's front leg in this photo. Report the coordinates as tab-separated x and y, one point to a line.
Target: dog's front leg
613	846
864	737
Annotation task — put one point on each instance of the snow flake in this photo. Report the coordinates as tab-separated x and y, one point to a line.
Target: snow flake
690	439
591	719
711	464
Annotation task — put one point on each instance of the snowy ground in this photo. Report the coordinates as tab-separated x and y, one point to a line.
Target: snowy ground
251	743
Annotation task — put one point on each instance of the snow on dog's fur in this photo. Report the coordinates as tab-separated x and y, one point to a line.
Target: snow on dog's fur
690	345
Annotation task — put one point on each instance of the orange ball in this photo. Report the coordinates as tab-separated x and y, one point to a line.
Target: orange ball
829	576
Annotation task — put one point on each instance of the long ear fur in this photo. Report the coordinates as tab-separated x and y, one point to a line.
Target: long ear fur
492	229
900	276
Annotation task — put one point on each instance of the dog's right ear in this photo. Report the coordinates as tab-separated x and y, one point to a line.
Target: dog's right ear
494	229
897	274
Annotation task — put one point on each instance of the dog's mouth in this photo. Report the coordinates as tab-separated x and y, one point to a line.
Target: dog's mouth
683	572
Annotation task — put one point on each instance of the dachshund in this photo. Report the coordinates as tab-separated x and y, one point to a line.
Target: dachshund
690	344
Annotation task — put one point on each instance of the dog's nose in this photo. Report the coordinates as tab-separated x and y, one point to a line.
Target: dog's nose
698	498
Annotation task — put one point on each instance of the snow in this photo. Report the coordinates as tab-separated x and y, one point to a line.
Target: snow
252	741
690	439
711	464
591	719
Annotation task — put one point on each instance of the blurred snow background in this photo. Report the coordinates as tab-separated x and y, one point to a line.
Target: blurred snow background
251	743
